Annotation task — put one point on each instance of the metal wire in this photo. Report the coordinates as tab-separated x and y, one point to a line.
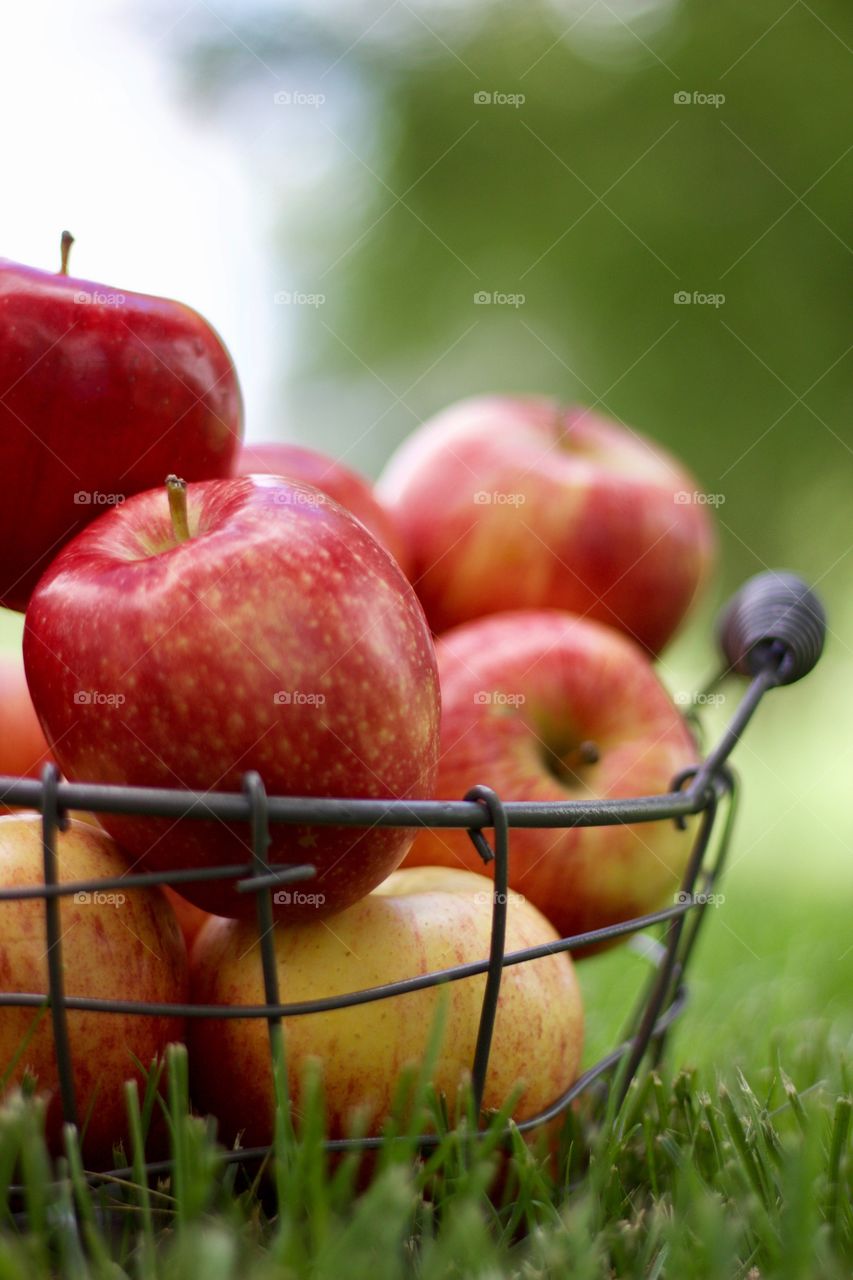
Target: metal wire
700	790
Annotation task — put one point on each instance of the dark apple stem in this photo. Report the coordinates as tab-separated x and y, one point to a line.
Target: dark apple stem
64	250
177	490
586	752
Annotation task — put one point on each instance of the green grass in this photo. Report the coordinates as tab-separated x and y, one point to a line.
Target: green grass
734	1161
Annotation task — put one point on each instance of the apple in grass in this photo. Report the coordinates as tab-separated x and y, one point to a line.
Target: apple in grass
200	631
417	921
546	706
516	502
101	394
330	477
116	945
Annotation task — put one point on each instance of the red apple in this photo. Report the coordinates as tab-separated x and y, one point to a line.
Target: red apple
545	706
190	919
102	394
116	945
515	503
23	749
330	477
417	921
264	629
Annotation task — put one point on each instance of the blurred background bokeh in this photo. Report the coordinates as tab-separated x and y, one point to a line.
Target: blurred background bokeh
642	205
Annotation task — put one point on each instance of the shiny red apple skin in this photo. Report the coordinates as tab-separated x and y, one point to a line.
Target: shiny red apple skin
102	393
519	503
280	592
520	693
331	477
23	748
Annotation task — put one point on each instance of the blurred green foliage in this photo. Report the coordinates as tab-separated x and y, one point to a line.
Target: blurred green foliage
598	198
399	197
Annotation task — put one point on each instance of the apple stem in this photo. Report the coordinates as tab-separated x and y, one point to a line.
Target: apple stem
64	250
177	490
586	752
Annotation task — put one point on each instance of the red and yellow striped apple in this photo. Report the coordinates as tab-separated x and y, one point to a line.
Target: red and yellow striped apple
518	503
544	706
416	921
116	945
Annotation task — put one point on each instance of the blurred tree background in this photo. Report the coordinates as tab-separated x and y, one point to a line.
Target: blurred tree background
590	165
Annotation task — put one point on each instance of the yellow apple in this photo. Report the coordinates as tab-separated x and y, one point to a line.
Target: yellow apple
116	944
416	921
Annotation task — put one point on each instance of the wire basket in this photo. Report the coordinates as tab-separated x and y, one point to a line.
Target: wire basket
772	632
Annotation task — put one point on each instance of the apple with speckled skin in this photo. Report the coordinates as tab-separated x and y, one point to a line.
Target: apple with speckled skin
116	945
519	503
331	477
545	706
417	921
201	631
101	393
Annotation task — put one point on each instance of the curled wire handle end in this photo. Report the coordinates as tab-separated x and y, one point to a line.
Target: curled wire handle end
774	621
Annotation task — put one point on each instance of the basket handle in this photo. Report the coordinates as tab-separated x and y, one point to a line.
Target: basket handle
774	620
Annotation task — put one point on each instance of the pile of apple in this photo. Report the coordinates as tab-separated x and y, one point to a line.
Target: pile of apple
196	609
